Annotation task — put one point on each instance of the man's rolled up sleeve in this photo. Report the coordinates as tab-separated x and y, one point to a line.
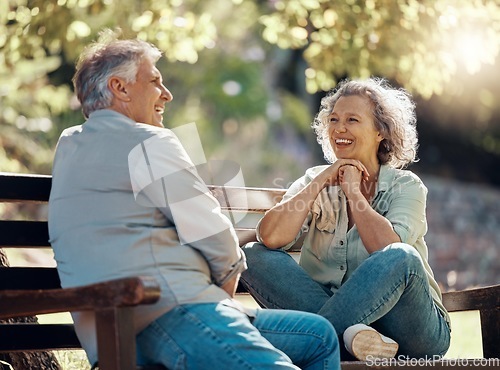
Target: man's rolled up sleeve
235	269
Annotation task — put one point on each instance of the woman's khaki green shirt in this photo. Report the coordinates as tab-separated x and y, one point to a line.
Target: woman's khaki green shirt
330	252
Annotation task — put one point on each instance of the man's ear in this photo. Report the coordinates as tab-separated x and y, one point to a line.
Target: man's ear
118	88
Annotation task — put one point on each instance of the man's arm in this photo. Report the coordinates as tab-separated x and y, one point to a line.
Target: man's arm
172	184
231	285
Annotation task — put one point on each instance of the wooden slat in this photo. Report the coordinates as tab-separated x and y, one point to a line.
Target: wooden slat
32	234
29	278
473	299
32	337
24	187
38	234
116	338
29	187
24	234
487	301
121	292
254	199
490	331
243	219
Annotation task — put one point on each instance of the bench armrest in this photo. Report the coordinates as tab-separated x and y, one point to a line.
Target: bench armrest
123	292
487	301
473	299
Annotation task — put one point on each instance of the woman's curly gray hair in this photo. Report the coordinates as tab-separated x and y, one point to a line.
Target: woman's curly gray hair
394	117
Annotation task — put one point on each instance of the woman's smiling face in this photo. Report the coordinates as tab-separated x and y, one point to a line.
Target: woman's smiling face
352	129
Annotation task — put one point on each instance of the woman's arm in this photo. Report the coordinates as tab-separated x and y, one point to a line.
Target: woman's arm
375	230
282	223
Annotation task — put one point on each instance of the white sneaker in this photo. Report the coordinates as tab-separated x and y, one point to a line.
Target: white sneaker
364	342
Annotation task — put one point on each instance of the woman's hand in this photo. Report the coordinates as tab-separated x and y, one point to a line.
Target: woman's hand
350	179
331	175
281	224
375	230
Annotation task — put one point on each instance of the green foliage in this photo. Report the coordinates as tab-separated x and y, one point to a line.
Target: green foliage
230	62
39	42
422	44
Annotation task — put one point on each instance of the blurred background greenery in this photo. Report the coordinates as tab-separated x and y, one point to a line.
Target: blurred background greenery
251	74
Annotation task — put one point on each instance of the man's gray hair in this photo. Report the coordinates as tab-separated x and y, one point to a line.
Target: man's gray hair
104	58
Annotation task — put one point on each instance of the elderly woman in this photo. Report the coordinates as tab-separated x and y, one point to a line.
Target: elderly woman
363	262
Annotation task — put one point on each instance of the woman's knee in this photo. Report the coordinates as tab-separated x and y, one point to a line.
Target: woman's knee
253	248
403	254
257	252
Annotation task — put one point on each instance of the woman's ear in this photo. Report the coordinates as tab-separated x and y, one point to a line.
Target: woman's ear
118	88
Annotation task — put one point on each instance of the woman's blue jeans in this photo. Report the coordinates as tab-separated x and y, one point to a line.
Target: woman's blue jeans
215	336
388	291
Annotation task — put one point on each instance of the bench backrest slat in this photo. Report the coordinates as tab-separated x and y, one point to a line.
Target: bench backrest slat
24	234
37	337
475	299
24	187
247	199
29	278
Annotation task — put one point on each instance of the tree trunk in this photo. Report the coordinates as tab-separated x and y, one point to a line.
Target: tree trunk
40	360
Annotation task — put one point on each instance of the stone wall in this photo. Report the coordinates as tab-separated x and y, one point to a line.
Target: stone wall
464	233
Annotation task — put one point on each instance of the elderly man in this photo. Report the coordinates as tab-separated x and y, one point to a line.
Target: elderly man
127	200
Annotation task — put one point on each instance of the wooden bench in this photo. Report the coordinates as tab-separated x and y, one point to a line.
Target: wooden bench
28	291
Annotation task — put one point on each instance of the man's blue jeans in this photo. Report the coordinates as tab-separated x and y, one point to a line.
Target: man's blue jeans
388	291
215	336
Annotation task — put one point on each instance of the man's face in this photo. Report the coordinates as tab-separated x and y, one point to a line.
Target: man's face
148	95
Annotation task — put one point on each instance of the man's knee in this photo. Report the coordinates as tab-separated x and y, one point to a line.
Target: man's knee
324	335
